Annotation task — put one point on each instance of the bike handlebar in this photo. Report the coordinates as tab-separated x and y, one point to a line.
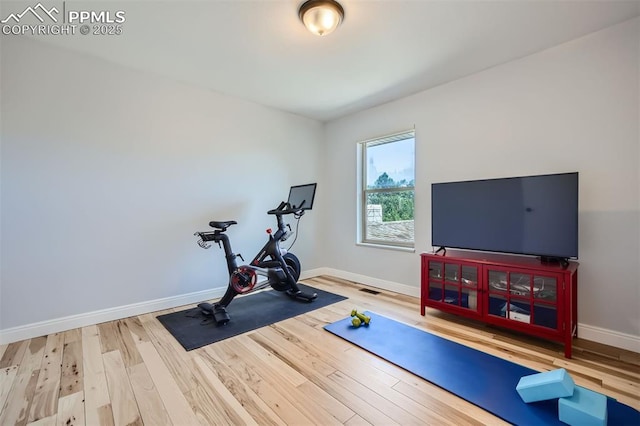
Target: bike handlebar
283	210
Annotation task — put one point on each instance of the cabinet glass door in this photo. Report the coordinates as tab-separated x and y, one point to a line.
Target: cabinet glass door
545	289
454	284
451	287
435	280
545	301
435	270
469	286
523	297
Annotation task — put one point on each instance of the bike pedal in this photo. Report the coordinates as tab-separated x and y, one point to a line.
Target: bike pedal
221	316
206	308
300	295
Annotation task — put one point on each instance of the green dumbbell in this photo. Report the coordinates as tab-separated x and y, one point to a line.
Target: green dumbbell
362	317
356	322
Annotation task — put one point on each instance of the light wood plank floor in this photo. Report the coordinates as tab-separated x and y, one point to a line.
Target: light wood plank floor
132	371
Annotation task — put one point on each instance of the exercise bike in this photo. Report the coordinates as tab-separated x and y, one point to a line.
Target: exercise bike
281	268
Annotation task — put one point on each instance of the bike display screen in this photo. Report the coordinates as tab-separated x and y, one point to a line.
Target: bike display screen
301	196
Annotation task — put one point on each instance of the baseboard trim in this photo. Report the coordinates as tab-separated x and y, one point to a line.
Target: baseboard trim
585	331
609	337
96	317
370	281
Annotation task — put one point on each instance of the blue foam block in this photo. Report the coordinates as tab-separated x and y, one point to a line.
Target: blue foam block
585	408
548	385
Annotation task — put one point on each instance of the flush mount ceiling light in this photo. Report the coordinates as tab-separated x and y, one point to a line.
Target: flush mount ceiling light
321	17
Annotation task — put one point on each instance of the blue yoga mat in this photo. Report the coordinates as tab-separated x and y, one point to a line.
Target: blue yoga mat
482	379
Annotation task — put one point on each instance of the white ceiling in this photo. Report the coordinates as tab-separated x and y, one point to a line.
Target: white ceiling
384	50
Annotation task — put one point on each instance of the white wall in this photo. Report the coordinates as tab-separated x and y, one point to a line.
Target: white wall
107	173
570	108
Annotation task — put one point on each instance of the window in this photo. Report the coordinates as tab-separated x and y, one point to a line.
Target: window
387	190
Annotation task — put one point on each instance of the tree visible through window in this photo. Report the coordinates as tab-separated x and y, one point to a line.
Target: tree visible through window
388	190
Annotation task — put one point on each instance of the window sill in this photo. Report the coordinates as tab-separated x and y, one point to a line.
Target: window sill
388	247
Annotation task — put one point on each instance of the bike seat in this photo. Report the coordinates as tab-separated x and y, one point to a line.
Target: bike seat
222	225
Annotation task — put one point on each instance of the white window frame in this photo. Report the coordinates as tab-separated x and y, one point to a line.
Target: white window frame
363	192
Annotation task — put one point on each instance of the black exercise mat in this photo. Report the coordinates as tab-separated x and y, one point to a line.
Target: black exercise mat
192	329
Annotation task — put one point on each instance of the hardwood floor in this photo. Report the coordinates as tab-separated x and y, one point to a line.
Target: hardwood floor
132	371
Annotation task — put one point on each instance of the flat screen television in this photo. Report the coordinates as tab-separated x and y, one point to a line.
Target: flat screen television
530	215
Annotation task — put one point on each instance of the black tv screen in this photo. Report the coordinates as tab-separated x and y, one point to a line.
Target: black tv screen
532	215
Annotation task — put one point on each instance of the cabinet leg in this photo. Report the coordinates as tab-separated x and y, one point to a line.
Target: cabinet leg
567	347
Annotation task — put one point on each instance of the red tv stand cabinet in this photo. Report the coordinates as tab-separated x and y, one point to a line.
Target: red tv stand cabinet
516	292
